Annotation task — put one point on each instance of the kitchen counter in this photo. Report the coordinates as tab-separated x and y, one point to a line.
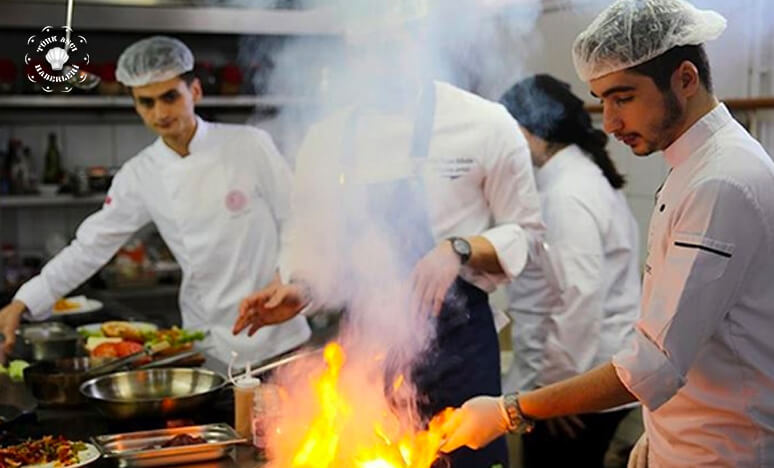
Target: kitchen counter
83	422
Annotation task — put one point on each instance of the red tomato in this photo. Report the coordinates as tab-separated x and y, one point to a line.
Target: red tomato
125	348
105	350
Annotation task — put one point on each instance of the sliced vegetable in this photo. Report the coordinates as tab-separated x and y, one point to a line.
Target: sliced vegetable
15	369
93	341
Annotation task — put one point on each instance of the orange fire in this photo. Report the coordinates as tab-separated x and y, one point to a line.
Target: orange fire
328	441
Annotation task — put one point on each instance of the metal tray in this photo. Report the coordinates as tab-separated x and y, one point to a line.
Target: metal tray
129	449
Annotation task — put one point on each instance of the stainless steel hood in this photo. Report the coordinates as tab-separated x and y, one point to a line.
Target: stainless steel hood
175	16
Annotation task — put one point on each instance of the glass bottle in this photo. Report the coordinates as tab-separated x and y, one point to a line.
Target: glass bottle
52	174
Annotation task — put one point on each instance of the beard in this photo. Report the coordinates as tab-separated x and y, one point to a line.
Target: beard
667	126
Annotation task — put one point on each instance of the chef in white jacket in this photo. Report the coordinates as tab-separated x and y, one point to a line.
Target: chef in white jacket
218	194
702	361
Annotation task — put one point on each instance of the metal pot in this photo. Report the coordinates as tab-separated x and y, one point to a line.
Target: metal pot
46	341
57	383
152	393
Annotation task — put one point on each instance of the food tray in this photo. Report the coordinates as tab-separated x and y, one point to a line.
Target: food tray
129	449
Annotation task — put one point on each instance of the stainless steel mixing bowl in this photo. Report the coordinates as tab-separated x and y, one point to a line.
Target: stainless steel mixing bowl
156	393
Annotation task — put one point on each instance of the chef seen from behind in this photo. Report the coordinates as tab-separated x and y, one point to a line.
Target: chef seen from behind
702	359
217	193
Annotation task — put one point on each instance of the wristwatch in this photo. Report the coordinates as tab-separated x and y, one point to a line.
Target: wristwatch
461	247
517	422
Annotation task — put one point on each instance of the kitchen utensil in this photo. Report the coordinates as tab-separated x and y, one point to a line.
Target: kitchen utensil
57	383
171	359
152	393
45	341
131	449
286	359
81	79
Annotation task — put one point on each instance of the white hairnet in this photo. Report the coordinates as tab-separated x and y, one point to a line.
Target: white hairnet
631	32
153	59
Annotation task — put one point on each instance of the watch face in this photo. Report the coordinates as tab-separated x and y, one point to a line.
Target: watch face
461	246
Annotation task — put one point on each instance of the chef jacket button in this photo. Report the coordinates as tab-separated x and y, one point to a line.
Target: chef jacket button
661	208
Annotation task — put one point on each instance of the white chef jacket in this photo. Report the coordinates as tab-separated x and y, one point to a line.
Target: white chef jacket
219	209
702	362
577	316
478	179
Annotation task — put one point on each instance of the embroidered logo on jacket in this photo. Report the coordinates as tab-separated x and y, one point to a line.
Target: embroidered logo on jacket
236	201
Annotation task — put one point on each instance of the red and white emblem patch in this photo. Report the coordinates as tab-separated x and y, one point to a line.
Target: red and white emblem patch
236	201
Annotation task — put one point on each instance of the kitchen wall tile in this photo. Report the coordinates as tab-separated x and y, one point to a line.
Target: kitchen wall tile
129	140
87	145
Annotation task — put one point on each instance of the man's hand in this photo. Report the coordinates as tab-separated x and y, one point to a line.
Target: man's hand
274	304
432	278
477	423
638	458
10	316
570	426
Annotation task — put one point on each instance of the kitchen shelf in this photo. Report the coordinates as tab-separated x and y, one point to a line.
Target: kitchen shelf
33	201
125	102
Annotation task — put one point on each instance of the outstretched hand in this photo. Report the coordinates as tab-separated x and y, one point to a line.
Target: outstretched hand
432	277
274	304
477	423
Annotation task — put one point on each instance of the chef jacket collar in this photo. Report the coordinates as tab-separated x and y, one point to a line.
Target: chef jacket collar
556	164
196	144
687	144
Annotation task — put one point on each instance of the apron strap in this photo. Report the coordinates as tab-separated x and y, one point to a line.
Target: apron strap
423	128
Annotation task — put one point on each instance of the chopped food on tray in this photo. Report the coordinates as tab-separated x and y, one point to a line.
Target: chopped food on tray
178	441
63	305
94	341
123	330
119	339
174	336
48	449
117	350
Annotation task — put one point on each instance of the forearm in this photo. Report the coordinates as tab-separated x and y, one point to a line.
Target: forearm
483	256
596	390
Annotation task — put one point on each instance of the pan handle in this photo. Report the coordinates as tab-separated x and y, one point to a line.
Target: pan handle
170	359
281	362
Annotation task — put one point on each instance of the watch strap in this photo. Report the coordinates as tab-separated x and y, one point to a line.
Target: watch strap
517	422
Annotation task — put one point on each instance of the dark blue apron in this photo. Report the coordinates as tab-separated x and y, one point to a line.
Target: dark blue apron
464	359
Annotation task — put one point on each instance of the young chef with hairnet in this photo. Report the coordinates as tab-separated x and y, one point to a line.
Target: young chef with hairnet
448	185
576	308
702	360
218	194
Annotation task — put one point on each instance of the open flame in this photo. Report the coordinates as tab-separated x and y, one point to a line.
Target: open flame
339	435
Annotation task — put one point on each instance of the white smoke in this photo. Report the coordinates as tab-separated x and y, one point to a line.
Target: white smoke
387	50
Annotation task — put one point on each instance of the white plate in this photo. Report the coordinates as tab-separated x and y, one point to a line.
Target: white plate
96	327
85	305
89	455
